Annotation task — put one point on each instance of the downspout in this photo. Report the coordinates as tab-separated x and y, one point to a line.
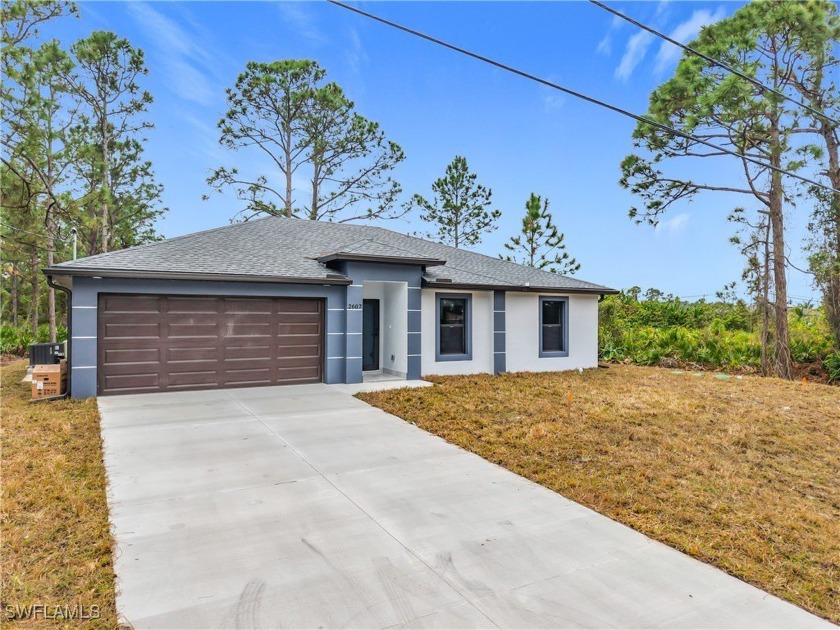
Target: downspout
69	295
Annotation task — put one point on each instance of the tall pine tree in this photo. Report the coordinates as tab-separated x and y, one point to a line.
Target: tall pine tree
540	244
460	209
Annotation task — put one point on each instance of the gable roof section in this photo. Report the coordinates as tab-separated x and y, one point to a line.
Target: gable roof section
297	250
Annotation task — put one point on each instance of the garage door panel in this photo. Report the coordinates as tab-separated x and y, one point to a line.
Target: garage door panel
298	375
237	329
160	343
294	362
120	304
247	306
247	352
132	355
299	306
193	378
193	331
194	305
288	352
194	353
299	318
249	375
314	328
126	330
132	383
289	341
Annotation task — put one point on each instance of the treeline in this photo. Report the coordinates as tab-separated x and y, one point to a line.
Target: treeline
659	329
73	173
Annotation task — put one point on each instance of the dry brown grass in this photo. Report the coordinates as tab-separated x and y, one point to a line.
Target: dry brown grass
740	473
56	541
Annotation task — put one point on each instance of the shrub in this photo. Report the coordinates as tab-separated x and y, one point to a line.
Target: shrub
16	340
715	334
832	366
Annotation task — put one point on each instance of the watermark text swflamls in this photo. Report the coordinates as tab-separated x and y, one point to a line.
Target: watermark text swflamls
77	612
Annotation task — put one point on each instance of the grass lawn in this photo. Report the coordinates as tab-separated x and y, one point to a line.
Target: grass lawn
740	473
56	541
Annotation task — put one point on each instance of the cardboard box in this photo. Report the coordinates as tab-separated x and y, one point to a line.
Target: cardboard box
48	390
49	380
50	372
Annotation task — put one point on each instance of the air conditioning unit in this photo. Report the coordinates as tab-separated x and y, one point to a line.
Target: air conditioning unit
45	353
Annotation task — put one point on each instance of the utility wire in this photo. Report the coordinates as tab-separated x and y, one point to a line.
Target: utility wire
580	95
716	62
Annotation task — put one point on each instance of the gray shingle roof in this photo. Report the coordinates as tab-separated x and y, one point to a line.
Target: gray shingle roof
277	247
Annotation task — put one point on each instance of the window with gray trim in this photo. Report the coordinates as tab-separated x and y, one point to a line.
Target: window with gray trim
554	327
454	327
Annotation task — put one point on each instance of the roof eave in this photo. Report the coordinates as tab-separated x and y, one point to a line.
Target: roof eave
519	287
173	275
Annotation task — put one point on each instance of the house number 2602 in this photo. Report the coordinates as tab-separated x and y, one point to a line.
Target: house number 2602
354	307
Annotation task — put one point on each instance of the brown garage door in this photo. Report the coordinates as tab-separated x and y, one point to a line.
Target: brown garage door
170	343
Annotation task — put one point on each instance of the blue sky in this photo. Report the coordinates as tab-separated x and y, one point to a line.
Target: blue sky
518	136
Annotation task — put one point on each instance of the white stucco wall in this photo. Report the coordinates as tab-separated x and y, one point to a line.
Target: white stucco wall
522	317
482	335
395	327
393	323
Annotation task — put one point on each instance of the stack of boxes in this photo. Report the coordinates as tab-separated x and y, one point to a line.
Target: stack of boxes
49	380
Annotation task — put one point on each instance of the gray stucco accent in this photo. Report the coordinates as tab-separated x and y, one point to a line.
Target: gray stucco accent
86	292
499	337
359	272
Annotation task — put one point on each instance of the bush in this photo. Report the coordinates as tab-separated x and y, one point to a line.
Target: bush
714	334
832	366
16	340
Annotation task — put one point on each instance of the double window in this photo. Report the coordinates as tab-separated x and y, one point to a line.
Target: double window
554	327
454	315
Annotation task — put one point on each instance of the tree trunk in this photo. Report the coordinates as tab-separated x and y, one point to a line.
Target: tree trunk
316	180
784	362
765	303
831	288
33	307
289	168
15	296
50	224
106	167
50	290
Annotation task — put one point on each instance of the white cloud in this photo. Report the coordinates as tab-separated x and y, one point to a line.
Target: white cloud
675	225
662	7
186	60
634	53
684	33
605	45
301	21
355	53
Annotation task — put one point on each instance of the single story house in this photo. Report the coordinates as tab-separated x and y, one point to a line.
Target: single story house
279	300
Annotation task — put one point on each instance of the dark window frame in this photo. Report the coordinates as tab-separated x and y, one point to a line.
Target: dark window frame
564	327
467	297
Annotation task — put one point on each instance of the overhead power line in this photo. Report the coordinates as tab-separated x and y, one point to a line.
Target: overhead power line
580	95
716	62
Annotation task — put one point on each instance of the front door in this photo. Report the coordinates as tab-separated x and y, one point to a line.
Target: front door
370	335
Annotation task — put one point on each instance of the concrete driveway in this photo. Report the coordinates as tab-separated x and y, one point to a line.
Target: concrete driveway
298	507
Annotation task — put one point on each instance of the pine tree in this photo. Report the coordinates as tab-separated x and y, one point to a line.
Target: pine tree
540	245
460	208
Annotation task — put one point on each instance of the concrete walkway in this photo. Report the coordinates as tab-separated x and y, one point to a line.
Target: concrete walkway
301	507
